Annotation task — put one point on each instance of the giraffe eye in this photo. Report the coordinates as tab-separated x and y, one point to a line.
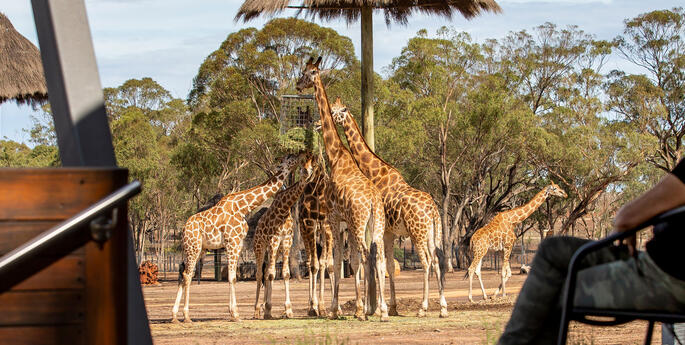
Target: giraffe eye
343	110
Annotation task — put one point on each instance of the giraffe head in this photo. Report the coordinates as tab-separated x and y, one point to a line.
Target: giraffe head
307	167
554	189
339	112
309	74
289	162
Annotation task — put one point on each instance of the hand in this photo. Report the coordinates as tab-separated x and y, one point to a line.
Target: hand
630	242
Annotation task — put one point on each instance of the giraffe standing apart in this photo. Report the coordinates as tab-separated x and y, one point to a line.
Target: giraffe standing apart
408	211
359	203
499	234
313	216
274	235
224	226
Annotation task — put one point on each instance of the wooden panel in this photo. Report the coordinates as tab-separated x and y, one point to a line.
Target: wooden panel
43	335
13	233
66	273
42	307
43	194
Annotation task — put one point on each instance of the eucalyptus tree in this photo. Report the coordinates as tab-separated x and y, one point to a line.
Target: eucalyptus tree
653	101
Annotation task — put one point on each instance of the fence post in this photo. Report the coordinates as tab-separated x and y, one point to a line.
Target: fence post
217	265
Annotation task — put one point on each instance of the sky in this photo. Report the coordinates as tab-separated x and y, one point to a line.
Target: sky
167	40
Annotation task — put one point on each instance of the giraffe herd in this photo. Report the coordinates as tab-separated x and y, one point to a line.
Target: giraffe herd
361	190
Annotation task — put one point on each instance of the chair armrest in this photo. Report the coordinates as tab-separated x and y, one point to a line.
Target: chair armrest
583	251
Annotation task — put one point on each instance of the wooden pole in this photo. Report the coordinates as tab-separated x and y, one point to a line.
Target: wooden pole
367	76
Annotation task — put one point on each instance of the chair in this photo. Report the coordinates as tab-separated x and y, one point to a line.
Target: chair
569	312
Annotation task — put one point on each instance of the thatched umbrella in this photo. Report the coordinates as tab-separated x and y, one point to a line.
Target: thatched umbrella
394	10
21	67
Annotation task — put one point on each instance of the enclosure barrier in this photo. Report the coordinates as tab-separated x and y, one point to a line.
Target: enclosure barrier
66	285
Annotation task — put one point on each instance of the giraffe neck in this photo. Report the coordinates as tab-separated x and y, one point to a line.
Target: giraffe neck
257	195
369	163
519	214
287	198
331	140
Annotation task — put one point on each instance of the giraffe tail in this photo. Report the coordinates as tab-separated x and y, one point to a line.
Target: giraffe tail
442	262
373	254
181	268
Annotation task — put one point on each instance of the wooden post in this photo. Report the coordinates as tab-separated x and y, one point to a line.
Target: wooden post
367	76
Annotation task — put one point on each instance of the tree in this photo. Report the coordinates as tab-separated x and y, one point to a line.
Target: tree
654	102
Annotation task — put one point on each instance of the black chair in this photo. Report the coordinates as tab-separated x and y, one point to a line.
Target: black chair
569	312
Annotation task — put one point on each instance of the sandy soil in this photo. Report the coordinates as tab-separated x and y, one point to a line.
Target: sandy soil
478	323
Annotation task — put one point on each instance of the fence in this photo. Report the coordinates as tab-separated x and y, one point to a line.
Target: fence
214	262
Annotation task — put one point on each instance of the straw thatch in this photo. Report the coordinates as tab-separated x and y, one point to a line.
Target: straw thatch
397	11
21	69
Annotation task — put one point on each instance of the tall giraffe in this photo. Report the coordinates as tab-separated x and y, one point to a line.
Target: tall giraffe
408	211
274	235
313	216
224	226
499	234
358	202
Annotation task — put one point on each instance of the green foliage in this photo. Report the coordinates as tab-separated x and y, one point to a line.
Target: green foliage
300	139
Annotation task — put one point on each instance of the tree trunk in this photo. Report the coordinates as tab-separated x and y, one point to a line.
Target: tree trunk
367	76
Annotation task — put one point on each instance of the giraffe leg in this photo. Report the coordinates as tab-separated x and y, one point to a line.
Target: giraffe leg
381	265
338	237
432	250
233	247
474	268
268	283
482	288
389	240
356	261
328	263
506	270
184	286
309	237
259	261
288	312
423	256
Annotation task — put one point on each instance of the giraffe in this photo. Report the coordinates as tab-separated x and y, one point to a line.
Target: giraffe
408	211
499	234
358	202
274	235
224	226
314	214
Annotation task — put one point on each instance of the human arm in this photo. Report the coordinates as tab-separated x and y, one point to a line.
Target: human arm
665	195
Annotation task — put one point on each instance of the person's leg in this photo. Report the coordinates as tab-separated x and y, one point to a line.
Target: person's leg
537	304
633	284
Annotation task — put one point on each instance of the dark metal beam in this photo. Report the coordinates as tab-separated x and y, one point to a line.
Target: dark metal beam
74	87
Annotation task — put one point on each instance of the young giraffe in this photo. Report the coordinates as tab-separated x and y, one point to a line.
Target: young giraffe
224	226
274	235
499	234
408	211
358	201
314	215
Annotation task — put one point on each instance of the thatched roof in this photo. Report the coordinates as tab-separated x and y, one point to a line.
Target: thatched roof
397	11
21	69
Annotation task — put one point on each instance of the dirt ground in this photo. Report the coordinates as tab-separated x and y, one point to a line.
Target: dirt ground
478	323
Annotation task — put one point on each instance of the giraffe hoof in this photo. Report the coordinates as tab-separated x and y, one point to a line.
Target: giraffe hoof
443	313
187	320
361	317
421	313
332	316
175	320
385	318
313	312
288	314
268	317
392	310
322	311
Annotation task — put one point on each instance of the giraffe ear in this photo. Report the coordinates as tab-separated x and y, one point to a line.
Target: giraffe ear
309	62
318	61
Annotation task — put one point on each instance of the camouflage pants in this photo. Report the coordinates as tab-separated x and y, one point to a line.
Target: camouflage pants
609	278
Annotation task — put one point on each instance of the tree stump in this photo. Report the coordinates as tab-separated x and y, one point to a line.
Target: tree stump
148	273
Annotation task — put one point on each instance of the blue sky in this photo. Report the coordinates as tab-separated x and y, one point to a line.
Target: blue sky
168	39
